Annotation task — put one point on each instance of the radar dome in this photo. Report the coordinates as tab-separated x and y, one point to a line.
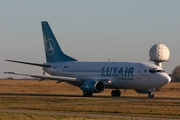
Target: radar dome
159	52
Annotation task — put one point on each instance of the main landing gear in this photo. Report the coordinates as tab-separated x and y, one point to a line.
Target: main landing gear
87	94
150	95
116	93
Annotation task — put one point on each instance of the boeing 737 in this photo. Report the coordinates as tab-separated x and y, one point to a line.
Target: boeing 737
94	77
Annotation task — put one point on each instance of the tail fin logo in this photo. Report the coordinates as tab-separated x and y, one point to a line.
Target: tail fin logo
50	46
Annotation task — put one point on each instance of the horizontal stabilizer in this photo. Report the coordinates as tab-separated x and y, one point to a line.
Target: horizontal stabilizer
28	63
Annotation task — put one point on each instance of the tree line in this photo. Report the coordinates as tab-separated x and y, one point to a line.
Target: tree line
176	74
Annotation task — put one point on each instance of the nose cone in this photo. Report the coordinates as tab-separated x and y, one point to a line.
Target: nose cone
165	78
160	79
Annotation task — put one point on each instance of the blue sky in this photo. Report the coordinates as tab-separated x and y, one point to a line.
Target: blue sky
121	30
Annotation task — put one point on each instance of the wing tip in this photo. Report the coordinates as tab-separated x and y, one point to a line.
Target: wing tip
9	73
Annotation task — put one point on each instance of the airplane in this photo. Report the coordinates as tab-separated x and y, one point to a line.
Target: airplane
94	77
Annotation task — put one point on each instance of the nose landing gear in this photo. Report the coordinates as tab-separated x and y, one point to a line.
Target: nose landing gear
116	93
150	95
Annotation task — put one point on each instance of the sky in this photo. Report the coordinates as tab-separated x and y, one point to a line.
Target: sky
88	30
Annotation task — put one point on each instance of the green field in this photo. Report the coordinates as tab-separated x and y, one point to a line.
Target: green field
71	105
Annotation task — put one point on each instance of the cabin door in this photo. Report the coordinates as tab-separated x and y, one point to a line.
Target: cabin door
139	72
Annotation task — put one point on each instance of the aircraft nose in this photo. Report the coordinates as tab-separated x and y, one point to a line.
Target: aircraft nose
166	78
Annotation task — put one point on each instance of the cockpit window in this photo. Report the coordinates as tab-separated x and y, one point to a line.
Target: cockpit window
156	71
152	71
160	71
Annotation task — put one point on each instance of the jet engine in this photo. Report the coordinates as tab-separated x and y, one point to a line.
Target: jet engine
92	86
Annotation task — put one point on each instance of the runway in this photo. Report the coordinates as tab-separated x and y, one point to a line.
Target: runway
95	96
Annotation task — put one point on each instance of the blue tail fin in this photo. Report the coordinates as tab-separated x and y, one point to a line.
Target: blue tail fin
52	49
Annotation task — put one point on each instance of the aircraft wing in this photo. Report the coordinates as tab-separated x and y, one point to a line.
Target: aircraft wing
59	78
70	80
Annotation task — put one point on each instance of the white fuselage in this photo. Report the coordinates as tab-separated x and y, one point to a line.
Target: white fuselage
123	75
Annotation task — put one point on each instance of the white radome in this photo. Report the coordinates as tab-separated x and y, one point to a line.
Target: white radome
159	52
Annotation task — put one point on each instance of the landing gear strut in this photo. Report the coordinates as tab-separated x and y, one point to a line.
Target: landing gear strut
87	94
150	95
116	93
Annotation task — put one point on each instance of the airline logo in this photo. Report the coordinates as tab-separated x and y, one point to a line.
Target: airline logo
117	71
50	46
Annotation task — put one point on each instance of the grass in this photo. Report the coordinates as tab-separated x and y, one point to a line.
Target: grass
25	116
34	86
161	108
95	105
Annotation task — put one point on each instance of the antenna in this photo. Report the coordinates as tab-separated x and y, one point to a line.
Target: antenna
109	60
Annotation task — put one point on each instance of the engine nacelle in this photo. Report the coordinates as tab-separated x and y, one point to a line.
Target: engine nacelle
92	86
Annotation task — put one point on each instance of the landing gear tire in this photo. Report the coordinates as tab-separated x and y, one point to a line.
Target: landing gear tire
118	93
115	93
150	95
87	94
